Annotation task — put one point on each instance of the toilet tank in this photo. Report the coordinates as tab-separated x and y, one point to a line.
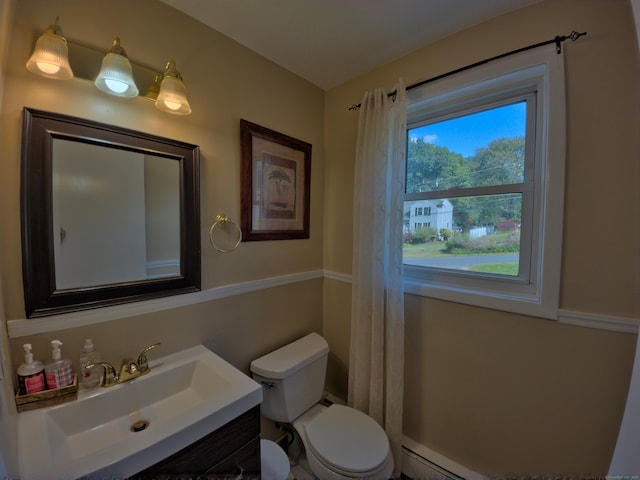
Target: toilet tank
292	377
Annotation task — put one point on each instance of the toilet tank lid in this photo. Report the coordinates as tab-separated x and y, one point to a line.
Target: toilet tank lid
288	359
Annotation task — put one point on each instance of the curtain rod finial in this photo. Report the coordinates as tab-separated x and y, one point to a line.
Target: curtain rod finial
576	35
573	36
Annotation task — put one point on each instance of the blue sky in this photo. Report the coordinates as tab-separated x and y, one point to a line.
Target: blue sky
465	134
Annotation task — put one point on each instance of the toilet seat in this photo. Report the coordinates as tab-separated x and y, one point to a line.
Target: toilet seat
347	441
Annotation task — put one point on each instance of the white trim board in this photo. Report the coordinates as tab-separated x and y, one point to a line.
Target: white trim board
25	327
599	321
568	317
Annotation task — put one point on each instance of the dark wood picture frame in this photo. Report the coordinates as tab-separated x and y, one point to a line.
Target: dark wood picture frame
275	184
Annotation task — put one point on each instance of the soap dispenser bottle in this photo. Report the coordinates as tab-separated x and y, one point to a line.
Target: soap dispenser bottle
58	371
89	377
30	374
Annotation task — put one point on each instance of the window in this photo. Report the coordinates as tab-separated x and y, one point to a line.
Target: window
485	155
476	161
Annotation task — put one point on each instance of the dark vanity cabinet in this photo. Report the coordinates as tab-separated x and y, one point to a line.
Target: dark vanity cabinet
231	450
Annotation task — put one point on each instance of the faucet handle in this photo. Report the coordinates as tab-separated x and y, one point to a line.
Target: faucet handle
143	364
110	375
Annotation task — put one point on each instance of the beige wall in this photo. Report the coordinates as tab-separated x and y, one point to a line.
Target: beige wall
226	83
503	393
496	392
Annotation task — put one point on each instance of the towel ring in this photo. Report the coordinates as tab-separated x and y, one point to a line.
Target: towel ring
221	222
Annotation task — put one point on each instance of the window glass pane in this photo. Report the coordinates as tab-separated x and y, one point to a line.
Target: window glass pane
481	149
478	234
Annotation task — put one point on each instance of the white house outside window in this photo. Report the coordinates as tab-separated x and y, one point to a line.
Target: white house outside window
485	182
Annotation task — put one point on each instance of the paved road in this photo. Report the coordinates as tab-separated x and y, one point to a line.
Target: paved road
462	261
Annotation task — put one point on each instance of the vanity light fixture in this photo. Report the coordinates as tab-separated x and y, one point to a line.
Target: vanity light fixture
50	56
172	97
50	59
116	74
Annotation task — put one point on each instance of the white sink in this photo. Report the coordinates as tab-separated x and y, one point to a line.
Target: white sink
185	396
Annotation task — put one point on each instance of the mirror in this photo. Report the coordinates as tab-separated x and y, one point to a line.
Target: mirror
123	204
109	215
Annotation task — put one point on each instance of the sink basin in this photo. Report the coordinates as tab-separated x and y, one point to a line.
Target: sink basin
118	431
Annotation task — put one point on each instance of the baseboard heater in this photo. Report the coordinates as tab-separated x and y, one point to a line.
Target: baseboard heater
420	462
416	467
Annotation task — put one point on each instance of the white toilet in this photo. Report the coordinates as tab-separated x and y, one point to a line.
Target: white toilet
340	442
274	464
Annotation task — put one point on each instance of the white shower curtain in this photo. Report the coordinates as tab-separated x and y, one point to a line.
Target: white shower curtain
376	362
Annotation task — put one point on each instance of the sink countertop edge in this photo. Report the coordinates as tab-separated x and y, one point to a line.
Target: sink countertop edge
150	451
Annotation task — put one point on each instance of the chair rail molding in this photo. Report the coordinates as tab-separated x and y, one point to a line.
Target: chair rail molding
599	321
25	327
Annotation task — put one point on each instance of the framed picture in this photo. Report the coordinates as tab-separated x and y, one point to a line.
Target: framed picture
275	184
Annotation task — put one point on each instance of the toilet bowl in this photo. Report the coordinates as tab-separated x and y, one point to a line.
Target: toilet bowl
274	464
340	442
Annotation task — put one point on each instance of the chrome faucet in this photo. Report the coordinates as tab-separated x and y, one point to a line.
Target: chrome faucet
129	369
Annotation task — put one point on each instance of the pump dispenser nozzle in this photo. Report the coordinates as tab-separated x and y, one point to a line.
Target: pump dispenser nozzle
55	349
28	356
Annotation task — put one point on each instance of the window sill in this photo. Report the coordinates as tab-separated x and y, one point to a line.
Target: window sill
520	303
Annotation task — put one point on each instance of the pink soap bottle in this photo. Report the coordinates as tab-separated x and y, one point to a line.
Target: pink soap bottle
58	371
30	373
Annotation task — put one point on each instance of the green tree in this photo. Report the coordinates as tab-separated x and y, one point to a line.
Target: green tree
499	163
431	168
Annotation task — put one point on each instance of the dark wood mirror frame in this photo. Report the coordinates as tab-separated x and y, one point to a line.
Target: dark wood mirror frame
41	297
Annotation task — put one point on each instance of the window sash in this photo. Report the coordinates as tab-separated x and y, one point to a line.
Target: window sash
525	188
540	73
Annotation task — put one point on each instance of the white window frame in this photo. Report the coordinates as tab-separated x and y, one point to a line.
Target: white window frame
537	293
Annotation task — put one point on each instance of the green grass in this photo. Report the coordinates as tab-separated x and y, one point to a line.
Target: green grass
429	249
497	268
437	249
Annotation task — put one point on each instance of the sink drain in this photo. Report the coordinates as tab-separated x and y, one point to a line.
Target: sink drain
139	426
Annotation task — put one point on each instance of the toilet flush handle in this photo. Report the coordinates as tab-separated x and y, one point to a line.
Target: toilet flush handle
268	385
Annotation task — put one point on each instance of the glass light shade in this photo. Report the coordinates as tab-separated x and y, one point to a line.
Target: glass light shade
172	97
116	74
50	56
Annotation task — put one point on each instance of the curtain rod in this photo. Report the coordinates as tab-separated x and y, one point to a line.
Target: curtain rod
573	36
